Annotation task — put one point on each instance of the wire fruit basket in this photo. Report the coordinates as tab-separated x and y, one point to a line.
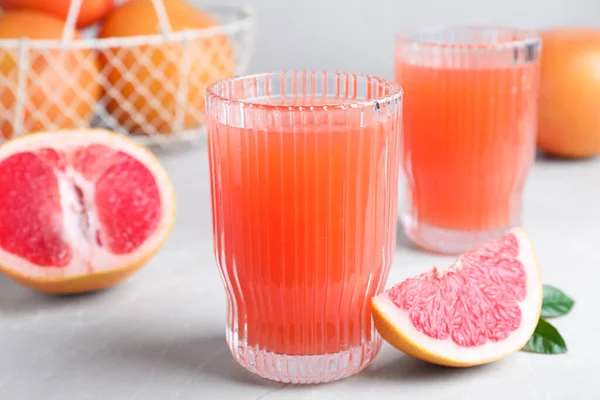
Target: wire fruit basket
150	86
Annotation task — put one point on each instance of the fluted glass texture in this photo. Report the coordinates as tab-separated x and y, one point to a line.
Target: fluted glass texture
469	132
304	182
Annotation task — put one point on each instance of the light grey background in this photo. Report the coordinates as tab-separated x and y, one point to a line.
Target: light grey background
358	35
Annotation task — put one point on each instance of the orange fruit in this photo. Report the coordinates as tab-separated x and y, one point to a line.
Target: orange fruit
90	12
569	121
483	308
80	210
144	80
59	86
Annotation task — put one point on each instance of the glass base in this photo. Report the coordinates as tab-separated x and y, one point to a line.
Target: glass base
446	241
320	368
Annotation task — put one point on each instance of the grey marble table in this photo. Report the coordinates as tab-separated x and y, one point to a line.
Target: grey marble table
160	335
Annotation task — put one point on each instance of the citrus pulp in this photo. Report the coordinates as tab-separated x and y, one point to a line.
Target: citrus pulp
481	309
80	210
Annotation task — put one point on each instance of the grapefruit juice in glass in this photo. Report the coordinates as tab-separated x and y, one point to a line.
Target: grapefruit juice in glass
468	132
304	178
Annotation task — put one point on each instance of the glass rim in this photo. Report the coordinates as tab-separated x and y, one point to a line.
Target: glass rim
524	38
394	88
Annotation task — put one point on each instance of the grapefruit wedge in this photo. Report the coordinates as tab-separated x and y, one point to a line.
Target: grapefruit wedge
80	210
481	309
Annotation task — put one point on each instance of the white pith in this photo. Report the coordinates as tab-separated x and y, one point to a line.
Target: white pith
88	257
447	349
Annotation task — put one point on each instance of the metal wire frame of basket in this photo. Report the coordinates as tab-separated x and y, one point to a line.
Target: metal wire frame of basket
157	95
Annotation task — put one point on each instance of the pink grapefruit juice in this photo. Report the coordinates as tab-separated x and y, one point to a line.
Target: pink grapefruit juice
304	184
303	219
468	142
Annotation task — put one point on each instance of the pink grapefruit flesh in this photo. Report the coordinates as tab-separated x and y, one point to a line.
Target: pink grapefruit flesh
80	210
483	308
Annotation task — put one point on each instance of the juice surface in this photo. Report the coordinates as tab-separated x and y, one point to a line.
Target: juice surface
304	230
468	143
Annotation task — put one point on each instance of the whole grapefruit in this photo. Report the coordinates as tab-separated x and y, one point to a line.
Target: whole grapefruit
59	86
91	11
481	309
80	210
569	117
145	80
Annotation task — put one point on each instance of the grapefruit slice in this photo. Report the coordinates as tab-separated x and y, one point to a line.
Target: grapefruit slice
481	309
80	210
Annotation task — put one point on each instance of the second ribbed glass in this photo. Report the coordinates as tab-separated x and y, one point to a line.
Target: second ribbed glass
469	132
304	179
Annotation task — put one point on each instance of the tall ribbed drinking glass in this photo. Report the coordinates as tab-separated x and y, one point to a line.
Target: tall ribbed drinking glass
469	132
304	182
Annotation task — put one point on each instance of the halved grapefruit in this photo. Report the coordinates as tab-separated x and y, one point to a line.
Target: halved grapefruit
80	210
481	309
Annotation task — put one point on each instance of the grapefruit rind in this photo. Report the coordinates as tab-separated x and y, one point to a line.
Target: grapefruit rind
108	269
395	327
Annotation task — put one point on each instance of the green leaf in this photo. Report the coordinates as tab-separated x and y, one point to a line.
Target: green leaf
545	340
555	303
